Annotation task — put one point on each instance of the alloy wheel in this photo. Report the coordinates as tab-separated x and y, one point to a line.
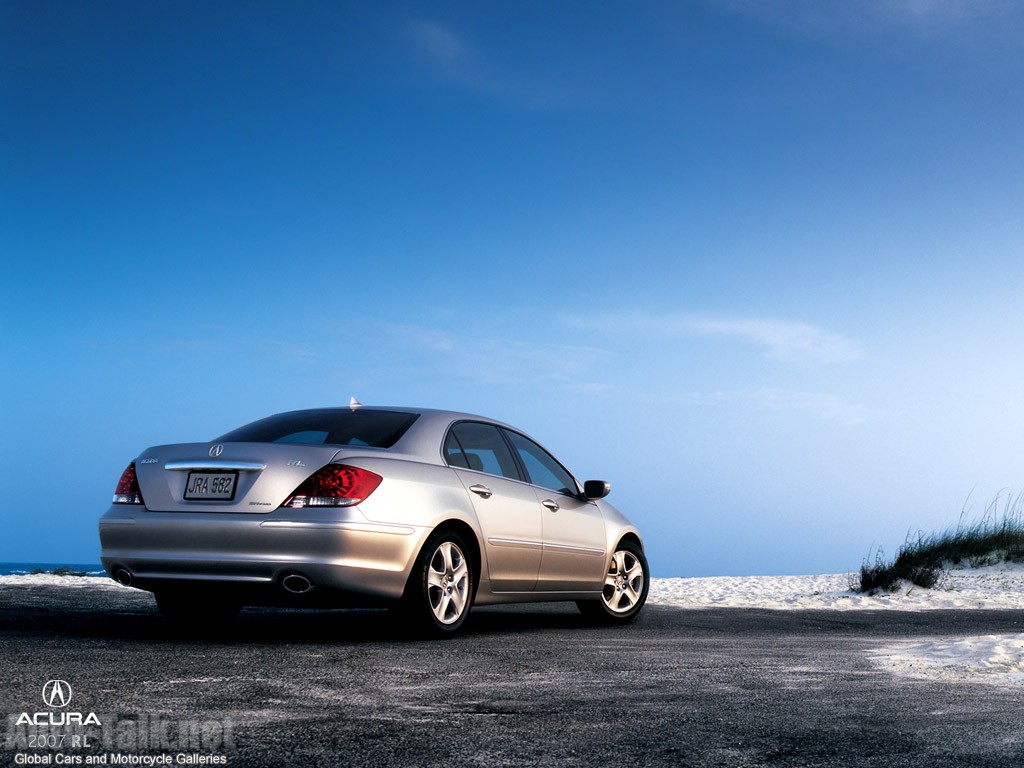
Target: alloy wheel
448	583
624	582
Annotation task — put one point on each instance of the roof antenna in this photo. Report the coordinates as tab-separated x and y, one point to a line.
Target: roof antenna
353	404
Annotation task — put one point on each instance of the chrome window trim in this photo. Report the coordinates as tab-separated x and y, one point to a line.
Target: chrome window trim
502	429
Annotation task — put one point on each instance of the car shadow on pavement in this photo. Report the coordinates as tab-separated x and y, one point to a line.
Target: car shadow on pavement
139	620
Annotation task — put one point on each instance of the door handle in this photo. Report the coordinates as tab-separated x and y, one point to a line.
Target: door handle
481	490
552	505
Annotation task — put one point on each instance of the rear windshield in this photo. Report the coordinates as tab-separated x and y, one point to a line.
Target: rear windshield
326	426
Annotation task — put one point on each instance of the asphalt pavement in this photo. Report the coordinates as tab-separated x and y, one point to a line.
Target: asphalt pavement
523	686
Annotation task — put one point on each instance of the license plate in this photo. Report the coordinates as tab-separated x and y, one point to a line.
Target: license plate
205	486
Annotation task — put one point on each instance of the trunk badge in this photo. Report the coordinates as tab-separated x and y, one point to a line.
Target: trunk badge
216	451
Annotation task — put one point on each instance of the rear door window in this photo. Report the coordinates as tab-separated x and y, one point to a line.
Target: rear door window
472	445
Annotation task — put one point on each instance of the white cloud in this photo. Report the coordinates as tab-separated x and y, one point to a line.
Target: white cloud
455	60
780	339
846	18
442	44
504	361
786	340
824	406
424	338
215	345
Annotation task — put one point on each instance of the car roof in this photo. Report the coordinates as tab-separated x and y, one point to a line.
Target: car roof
433	413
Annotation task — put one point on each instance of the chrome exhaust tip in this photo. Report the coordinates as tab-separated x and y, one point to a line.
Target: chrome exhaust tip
296	583
123	576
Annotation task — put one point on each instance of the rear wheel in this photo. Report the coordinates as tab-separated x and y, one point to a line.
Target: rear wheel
440	590
197	612
625	587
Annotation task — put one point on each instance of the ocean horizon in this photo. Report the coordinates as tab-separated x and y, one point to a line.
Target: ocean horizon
20	569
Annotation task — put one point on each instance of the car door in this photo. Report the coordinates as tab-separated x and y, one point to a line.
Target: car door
573	530
506	507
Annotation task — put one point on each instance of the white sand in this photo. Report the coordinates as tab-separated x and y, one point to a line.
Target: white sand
992	659
49	580
995	586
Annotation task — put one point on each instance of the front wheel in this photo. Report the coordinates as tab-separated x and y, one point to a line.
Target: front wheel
625	587
440	590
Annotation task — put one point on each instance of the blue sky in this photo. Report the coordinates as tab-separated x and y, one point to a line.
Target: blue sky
757	264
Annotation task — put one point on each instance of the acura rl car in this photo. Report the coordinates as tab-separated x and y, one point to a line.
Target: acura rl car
427	511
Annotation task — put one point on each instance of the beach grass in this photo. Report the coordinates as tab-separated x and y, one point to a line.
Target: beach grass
997	537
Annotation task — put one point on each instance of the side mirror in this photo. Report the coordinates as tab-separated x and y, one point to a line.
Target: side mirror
596	489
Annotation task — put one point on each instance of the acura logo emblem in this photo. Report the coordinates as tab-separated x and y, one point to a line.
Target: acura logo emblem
217	450
56	693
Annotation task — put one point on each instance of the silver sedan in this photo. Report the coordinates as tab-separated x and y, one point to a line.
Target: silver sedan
428	511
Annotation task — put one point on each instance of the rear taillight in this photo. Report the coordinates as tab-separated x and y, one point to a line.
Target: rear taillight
127	491
334	486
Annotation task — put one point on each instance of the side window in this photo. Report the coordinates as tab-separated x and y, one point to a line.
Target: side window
479	446
453	452
542	467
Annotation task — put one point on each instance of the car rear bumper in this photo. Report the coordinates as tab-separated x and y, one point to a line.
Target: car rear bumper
337	550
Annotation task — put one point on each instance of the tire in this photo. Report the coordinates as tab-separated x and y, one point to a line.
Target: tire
441	586
625	587
192	611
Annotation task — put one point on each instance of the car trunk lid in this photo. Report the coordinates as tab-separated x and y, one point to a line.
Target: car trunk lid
249	478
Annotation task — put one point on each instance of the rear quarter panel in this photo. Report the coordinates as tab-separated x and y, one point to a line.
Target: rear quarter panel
414	493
